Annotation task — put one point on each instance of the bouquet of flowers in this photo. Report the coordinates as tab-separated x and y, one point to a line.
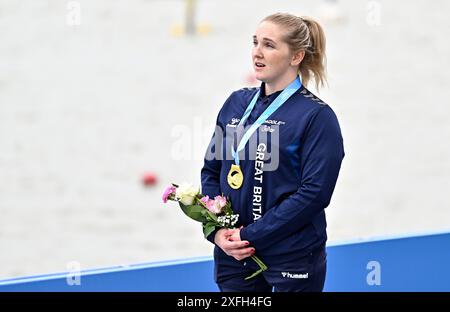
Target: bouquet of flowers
212	213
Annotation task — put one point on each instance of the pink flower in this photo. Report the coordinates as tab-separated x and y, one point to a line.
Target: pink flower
210	204
220	201
205	199
168	191
214	205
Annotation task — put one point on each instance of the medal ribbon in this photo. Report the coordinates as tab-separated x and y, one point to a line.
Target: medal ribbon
276	104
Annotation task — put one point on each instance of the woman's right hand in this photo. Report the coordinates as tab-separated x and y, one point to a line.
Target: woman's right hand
237	249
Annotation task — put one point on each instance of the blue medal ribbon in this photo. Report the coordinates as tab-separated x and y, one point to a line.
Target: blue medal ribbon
276	104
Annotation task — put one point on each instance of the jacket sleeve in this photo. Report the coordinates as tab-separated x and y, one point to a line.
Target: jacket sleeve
320	161
210	173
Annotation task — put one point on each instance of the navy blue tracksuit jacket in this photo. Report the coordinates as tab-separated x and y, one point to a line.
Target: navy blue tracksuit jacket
290	166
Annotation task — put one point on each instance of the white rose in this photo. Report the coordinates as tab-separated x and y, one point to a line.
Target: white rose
186	193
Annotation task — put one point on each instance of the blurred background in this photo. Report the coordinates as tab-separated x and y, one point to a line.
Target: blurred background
103	103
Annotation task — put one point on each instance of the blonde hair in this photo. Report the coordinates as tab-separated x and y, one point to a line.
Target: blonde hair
304	34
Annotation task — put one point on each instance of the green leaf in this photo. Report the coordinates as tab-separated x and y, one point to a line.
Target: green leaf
211	215
208	228
228	210
195	212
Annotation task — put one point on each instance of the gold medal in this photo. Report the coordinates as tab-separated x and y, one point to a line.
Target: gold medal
235	177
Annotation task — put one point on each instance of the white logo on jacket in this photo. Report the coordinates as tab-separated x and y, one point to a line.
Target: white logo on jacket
299	276
257	188
269	122
265	128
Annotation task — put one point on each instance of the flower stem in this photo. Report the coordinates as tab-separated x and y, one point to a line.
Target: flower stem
262	267
260	263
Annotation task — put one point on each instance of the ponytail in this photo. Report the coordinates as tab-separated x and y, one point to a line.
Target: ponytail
305	34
